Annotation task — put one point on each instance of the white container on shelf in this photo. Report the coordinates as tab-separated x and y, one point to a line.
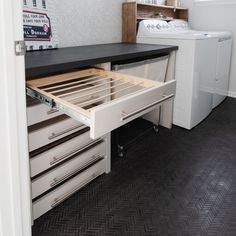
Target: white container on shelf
160	2
155	2
175	3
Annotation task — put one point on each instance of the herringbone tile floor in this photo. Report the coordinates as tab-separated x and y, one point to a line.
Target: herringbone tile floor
174	183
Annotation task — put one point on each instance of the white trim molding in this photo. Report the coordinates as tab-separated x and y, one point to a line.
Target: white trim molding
232	94
1	231
214	2
15	199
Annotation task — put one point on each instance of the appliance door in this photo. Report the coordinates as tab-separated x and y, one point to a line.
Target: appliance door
222	70
203	80
153	69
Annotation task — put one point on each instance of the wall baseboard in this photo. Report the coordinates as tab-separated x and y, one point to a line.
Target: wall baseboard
232	94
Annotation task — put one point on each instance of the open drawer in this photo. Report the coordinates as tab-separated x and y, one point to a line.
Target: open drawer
102	100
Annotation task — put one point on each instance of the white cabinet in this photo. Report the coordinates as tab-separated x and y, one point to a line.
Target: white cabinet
63	158
38	112
69	131
48	132
58	195
40	162
66	170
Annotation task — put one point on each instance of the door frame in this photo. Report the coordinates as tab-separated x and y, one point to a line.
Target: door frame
15	192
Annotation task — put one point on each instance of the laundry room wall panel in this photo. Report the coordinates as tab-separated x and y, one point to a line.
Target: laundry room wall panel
88	22
210	15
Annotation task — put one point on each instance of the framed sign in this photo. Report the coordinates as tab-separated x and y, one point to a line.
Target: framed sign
39	25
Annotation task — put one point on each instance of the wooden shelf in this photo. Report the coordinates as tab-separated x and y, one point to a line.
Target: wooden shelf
151	18
162	6
134	12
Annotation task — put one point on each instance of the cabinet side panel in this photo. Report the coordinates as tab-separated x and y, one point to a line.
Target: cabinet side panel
182	14
129	28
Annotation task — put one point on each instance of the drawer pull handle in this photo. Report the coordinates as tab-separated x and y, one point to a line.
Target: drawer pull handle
74	152
127	116
59	180
59	200
56	135
223	39
52	111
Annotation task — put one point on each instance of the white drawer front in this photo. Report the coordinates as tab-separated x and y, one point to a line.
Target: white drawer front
153	69
53	132
40	112
63	192
129	108
59	153
66	170
126	97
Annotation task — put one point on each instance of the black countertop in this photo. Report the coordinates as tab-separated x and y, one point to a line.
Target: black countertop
40	63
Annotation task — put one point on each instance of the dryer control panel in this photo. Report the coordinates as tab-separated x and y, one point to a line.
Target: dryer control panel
153	26
147	27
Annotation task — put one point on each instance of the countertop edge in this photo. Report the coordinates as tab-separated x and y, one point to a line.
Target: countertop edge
37	71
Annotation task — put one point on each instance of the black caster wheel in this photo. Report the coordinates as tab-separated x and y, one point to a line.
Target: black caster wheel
155	128
121	154
120	151
120	148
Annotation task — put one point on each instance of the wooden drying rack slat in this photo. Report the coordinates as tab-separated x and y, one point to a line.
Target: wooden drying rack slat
64	92
97	91
83	104
59	88
50	80
132	79
61	101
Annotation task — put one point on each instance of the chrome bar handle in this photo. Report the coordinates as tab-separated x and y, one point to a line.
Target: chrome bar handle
59	180
127	116
223	39
74	152
56	135
52	111
59	200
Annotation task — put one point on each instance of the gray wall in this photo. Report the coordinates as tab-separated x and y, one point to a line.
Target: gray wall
86	22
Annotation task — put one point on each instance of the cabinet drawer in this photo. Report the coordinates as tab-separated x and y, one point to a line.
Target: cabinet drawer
65	171
60	153
38	112
43	134
127	97
152	69
63	192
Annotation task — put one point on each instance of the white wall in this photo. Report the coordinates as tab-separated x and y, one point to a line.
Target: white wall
218	16
86	22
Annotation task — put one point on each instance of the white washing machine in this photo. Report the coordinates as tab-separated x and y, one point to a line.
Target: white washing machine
223	59
196	67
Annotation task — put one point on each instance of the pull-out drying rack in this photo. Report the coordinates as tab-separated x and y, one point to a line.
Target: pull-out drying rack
102	100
